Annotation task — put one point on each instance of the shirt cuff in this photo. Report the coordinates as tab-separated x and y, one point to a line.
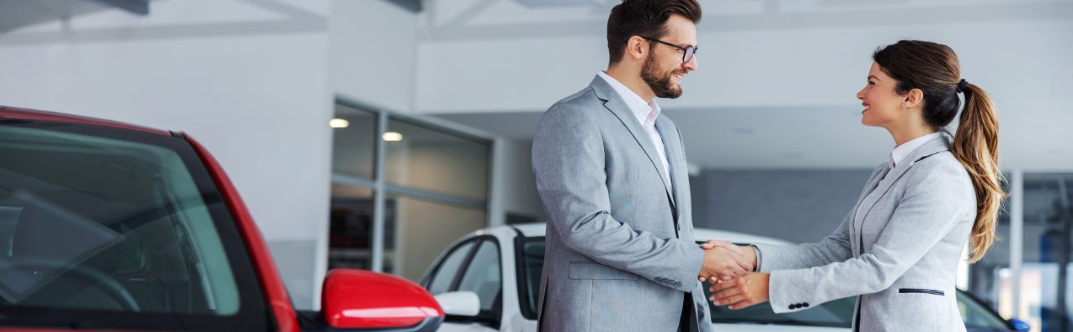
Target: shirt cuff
759	258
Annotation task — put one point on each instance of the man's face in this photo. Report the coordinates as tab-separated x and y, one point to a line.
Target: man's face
663	70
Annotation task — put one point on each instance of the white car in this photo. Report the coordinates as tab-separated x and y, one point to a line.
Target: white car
488	281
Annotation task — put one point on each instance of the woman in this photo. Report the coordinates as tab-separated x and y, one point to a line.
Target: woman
899	248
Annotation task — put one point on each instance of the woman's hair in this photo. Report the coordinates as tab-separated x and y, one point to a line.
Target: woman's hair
933	68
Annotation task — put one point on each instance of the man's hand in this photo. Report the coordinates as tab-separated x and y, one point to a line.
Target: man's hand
743	292
723	261
746	252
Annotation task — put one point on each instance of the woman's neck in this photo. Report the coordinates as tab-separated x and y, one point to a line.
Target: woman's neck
909	133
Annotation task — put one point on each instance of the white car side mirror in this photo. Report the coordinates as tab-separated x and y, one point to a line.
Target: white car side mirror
460	303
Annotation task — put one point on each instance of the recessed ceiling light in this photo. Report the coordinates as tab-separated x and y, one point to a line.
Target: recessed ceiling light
339	123
392	136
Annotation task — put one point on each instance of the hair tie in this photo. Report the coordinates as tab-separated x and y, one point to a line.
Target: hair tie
962	85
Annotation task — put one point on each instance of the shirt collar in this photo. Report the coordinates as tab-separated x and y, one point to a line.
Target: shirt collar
645	112
902	151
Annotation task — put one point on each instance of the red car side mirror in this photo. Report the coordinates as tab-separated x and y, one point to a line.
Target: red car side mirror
358	299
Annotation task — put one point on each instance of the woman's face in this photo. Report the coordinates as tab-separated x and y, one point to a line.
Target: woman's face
882	104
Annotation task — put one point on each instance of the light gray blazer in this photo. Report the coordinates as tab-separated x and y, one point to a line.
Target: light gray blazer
616	257
897	250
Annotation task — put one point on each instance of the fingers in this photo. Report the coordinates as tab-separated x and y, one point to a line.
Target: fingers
741	293
732	247
733	296
733	263
744	262
729	300
723	286
721	244
708	245
717	264
723	263
742	305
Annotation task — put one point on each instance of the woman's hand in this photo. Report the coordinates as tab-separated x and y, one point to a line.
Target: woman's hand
741	292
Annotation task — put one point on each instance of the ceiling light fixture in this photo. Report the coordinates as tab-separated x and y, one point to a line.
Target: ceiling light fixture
392	136
339	123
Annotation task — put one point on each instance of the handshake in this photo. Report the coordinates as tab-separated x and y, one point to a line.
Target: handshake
725	261
729	268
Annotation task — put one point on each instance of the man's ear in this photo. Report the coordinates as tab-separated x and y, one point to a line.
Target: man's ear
636	47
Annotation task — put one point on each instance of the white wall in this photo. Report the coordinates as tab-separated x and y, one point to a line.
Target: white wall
801	57
372	52
246	78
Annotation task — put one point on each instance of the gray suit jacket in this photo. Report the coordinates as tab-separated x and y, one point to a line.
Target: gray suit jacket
620	252
897	250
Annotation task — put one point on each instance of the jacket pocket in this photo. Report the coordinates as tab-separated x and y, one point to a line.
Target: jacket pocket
596	271
921	291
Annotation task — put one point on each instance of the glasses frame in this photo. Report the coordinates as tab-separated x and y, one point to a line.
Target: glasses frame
688	52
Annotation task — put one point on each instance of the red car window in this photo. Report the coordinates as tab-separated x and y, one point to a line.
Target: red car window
117	229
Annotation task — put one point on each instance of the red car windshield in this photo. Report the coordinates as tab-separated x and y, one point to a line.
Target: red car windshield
109	228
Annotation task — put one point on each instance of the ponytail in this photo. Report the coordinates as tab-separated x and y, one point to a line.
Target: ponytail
976	147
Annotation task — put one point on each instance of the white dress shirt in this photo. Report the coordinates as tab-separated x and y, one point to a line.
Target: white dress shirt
899	153
646	114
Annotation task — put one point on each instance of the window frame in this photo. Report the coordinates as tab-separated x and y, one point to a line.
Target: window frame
438	265
492	318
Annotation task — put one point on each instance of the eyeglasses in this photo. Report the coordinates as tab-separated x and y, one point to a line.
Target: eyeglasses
688	52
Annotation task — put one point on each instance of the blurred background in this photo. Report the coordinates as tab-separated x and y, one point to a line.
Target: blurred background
338	118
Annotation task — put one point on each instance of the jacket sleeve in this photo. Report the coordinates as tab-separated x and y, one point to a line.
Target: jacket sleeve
833	248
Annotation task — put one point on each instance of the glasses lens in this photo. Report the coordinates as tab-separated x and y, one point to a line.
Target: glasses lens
689	53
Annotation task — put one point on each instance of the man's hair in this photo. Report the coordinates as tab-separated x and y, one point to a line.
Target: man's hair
644	18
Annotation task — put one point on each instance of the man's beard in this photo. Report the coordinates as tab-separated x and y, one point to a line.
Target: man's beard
660	84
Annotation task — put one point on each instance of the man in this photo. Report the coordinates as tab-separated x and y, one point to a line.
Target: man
611	172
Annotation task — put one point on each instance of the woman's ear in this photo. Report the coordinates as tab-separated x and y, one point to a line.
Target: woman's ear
913	98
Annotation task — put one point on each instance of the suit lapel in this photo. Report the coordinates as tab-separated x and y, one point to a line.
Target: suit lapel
672	144
614	103
866	192
930	148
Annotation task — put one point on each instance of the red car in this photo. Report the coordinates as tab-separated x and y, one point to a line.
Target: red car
111	226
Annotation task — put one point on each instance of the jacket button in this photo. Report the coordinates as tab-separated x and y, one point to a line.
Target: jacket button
806	304
792	307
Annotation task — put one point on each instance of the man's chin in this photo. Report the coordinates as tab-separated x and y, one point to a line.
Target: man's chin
672	93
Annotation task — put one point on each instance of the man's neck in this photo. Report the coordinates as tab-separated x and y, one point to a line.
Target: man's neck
633	82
